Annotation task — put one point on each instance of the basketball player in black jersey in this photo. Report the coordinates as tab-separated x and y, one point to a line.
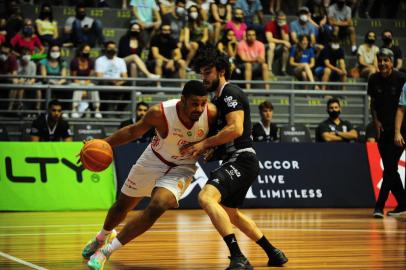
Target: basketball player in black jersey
228	184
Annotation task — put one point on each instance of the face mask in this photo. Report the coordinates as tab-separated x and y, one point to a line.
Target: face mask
134	33
3	57
180	10
370	41
303	18
281	23
27	31
81	16
318	2
55	55
47	13
238	18
110	53
340	5
85	55
166	35
387	40
334	114
26	58
194	15
335	46
223	2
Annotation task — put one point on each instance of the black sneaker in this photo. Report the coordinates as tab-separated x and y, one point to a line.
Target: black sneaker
378	213
239	263
277	258
397	211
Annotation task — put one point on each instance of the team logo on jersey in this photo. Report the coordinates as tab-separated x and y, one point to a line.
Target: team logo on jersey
232	103
189	133
200	132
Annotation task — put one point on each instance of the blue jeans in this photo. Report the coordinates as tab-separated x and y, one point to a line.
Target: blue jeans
90	35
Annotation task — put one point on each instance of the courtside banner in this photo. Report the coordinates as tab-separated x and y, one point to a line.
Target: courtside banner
44	176
291	175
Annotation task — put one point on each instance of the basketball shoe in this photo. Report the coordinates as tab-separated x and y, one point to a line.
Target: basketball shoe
277	258
93	245
397	211
239	263
98	259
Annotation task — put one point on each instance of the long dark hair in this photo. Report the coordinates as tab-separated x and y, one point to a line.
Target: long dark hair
299	50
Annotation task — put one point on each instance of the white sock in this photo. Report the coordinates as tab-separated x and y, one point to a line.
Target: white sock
113	246
101	236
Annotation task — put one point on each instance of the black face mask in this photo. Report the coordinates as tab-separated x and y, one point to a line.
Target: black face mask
110	53
238	19
334	114
165	36
387	41
340	5
86	55
370	41
81	16
134	34
47	13
28	31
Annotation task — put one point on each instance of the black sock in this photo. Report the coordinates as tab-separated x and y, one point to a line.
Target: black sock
232	244
265	245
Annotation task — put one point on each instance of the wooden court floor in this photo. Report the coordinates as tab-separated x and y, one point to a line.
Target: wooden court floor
185	239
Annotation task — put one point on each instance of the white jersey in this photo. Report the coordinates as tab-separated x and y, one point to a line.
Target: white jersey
167	150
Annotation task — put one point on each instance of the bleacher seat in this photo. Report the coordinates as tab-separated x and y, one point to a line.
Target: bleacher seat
3	133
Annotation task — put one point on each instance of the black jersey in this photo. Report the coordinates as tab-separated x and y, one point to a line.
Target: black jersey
386	93
46	133
260	135
231	99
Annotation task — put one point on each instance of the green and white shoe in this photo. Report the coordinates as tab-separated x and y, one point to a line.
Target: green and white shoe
93	245
97	260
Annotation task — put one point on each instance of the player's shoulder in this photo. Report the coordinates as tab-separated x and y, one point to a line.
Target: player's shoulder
232	88
211	110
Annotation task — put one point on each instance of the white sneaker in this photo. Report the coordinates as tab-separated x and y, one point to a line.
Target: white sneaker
98	115
75	115
153	76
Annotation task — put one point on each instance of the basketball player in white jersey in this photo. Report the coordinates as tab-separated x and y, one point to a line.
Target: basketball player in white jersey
161	172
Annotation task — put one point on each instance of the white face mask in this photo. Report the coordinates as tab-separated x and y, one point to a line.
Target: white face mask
335	46
180	10
281	23
3	57
223	2
55	55
194	15
303	18
26	58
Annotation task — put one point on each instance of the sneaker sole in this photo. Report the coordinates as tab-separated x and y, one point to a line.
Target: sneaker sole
380	215
108	239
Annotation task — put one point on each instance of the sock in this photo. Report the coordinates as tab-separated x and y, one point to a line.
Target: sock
232	244
111	247
266	245
101	236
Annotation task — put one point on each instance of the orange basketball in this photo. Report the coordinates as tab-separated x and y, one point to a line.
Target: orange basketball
96	155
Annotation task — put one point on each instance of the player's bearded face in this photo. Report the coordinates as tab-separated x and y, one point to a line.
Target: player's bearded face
211	79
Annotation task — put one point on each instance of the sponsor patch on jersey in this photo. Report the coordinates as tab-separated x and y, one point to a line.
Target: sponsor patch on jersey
231	103
200	132
189	133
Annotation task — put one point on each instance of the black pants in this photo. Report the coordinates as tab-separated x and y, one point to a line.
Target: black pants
390	154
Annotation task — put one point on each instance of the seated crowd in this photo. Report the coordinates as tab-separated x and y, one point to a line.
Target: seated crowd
164	36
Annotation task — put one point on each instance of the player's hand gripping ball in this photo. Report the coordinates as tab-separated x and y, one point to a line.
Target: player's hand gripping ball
96	155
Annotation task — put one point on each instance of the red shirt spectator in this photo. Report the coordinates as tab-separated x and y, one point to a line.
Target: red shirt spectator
275	29
9	65
33	42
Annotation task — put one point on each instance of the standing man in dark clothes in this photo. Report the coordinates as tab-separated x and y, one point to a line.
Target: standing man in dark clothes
141	109
385	88
227	186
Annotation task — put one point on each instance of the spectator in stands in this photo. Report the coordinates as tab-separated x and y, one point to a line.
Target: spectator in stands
318	17
112	67
367	61
81	28
237	24
27	38
54	65
203	7
331	63
335	129
47	27
141	110
387	39
228	45
274	6
26	67
386	89
146	14
302	26
220	13
8	66
3	31
176	19
265	130
166	6
165	56
277	35
252	54
83	66
130	50
15	21
302	60
252	11
51	127
195	33
339	16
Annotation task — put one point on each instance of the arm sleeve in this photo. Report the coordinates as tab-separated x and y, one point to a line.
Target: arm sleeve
402	100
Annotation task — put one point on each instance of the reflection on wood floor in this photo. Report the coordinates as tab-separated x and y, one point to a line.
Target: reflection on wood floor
185	239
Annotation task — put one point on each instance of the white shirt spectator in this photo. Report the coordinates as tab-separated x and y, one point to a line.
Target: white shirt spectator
339	14
369	54
87	21
110	68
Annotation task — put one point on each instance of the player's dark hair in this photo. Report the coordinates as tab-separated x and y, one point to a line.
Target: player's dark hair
142	103
265	105
54	102
194	88
333	100
209	57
